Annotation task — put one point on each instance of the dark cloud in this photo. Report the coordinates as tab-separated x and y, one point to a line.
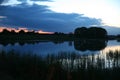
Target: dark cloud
5	1
40	17
33	0
41	0
1	1
112	30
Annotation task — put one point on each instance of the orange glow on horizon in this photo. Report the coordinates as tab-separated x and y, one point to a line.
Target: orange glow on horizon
10	29
43	32
1	29
25	29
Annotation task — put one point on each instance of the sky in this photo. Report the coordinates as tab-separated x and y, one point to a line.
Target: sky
60	15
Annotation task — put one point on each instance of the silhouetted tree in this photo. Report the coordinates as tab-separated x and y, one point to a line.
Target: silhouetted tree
118	35
5	31
56	33
31	33
13	32
87	44
21	32
92	32
80	32
95	32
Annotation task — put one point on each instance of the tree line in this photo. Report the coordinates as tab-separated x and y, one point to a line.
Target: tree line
80	32
12	32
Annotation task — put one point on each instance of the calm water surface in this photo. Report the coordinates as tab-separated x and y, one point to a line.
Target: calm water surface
79	59
90	51
44	48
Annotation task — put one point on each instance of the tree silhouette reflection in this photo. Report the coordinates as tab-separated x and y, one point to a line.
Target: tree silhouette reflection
89	44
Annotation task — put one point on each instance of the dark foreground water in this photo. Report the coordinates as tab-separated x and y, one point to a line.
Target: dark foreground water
59	60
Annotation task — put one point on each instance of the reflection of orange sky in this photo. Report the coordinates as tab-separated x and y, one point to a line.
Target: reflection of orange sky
25	29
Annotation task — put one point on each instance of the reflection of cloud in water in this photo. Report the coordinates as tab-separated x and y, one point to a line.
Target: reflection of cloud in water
113	43
105	55
110	48
44	48
104	60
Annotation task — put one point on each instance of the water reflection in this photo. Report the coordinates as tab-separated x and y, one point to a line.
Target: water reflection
45	47
74	61
90	44
21	43
80	45
59	60
71	60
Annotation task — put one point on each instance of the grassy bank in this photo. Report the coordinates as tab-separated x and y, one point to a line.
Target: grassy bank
64	66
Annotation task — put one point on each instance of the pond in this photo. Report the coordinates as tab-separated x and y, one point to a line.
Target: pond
44	48
60	60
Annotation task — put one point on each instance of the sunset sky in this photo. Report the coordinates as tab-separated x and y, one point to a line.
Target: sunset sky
60	15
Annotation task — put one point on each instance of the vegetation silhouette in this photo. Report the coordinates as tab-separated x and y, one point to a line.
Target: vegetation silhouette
64	66
5	43
79	44
92	32
89	44
118	37
32	35
56	37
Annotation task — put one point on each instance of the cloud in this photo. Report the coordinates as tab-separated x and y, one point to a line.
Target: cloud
40	17
41	0
112	30
35	0
1	17
28	1
1	1
17	2
10	2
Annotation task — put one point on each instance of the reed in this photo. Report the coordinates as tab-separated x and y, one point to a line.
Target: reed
63	66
